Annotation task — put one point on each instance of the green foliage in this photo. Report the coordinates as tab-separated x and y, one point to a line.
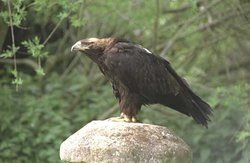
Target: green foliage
34	125
35	48
17	80
210	50
9	52
244	135
17	15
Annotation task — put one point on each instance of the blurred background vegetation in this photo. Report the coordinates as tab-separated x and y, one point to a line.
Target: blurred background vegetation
47	93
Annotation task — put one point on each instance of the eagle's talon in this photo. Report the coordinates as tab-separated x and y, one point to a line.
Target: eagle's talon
134	119
123	118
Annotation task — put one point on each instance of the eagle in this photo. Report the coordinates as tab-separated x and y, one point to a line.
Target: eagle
139	77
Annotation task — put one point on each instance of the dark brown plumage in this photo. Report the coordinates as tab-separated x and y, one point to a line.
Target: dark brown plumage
138	77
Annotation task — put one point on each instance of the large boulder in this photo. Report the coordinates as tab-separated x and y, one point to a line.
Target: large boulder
121	142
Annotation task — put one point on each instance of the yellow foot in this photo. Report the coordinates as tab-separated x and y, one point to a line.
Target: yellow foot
133	119
116	119
123	119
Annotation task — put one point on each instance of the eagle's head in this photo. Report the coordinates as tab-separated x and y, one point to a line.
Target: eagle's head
92	47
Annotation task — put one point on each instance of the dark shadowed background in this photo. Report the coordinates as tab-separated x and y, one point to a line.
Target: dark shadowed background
47	92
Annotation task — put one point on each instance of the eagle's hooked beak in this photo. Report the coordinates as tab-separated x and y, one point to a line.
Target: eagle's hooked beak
78	46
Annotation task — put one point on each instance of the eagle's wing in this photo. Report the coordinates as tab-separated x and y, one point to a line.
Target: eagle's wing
141	71
152	77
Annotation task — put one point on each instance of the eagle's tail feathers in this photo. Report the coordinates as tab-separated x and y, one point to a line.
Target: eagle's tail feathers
200	110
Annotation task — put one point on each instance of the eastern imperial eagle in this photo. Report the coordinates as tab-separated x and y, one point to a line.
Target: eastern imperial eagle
139	78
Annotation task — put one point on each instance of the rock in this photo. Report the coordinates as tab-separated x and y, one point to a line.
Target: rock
121	142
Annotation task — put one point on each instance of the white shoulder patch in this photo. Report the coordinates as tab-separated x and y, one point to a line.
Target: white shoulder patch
147	50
